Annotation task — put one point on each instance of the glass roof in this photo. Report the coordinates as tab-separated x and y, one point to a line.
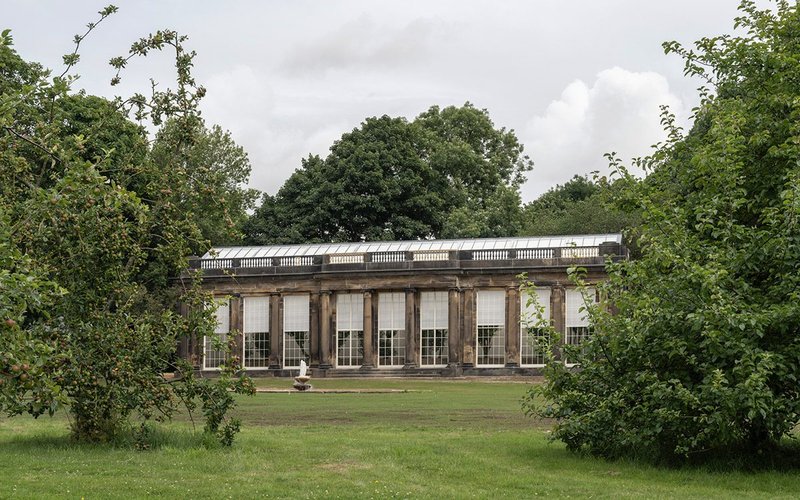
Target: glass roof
586	240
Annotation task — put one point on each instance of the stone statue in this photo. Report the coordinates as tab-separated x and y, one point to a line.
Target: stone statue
301	381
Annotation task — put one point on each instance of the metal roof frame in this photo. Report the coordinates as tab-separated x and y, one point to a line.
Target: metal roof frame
584	240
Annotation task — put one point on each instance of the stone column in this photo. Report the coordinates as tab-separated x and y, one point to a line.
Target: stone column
184	343
454	315
469	332
325	329
512	326
275	332
236	327
191	350
412	328
313	330
558	316
369	361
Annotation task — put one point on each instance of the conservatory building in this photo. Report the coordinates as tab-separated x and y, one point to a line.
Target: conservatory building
433	307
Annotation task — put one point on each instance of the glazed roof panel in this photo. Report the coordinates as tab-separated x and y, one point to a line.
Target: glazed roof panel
586	240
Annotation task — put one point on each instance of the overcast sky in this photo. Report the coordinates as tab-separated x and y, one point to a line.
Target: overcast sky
574	79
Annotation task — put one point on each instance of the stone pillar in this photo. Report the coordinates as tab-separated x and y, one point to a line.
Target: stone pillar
325	329
412	328
369	361
454	324
468	334
558	316
236	327
190	347
313	330
512	327
184	343
275	332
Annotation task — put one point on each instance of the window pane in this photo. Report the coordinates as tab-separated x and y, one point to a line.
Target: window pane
534	339
577	320
349	330
433	332
391	329
295	330
256	314
491	335
391	348
213	357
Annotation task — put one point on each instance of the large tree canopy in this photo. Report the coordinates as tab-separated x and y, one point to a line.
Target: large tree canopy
395	179
216	170
703	353
579	206
93	224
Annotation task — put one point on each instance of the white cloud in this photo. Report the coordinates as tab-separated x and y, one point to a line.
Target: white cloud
362	43
619	112
240	93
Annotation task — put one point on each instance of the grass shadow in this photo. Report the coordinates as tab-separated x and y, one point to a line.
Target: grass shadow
783	457
154	438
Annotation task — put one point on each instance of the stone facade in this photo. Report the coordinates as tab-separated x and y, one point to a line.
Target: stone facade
462	276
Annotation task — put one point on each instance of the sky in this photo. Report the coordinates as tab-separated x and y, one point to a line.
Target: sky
573	78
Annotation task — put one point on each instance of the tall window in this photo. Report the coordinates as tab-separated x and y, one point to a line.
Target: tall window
577	320
214	348
535	339
256	332
295	330
349	329
433	328
391	329
491	327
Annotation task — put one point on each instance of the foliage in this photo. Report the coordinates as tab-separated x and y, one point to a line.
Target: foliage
93	224
579	206
216	169
395	179
702	353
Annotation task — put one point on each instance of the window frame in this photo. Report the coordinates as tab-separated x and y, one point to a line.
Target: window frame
572	321
353	305
393	322
303	350
245	332
221	301
438	332
524	329
491	296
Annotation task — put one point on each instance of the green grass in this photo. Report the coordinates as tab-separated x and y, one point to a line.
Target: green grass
442	439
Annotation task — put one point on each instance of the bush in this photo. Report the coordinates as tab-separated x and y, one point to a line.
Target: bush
701	354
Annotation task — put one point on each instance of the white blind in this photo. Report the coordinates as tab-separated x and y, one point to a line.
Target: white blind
528	313
433	310
295	313
256	314
575	317
223	317
349	311
491	307
392	311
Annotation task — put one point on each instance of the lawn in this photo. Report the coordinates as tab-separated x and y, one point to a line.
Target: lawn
440	439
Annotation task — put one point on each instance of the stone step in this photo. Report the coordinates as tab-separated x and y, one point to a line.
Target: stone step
385	372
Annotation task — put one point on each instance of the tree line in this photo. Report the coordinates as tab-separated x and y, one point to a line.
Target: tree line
448	173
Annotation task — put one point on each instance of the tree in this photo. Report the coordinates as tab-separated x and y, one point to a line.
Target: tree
217	170
394	179
702	354
92	228
579	206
